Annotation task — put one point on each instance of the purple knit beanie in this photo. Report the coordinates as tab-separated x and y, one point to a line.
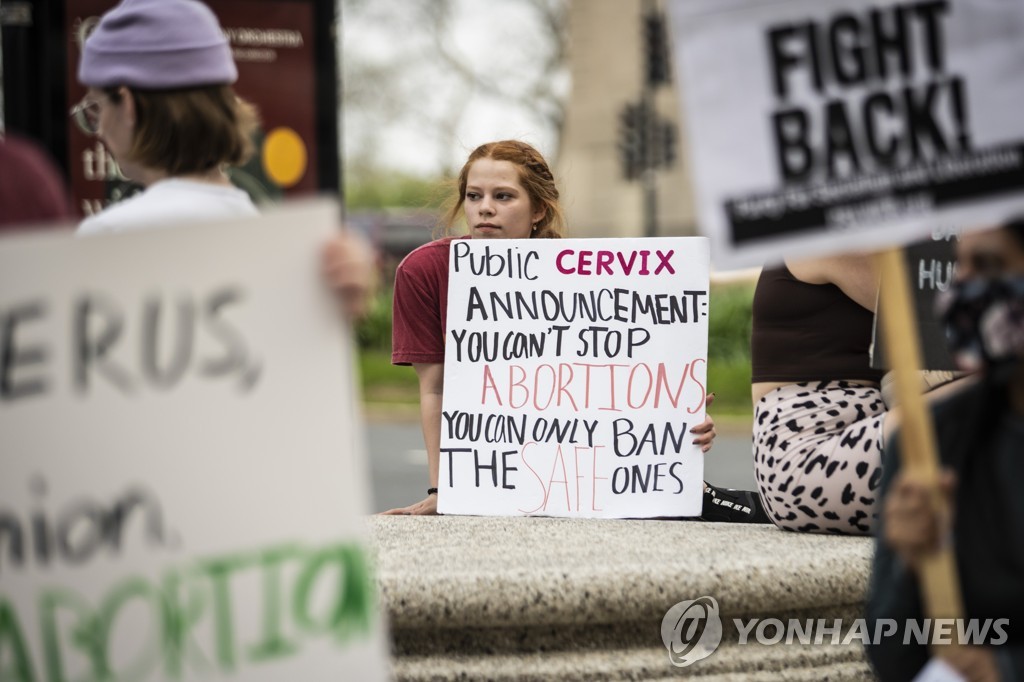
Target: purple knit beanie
157	45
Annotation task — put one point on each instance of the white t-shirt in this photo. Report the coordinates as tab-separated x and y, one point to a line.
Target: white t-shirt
171	201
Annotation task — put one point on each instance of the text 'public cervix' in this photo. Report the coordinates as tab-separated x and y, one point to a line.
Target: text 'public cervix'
511	263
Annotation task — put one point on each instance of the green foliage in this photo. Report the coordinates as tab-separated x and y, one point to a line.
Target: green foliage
729	348
374	331
729	322
728	357
384	382
376	190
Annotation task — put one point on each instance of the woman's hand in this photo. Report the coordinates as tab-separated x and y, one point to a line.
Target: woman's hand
975	663
705	431
427	507
349	266
912	528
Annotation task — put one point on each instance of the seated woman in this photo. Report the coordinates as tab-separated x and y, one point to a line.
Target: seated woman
818	410
505	191
980	439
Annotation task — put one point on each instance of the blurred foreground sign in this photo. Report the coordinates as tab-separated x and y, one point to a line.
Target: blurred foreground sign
849	124
931	267
183	477
574	371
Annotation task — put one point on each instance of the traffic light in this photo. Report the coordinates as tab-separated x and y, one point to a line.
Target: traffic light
632	140
664	144
656	50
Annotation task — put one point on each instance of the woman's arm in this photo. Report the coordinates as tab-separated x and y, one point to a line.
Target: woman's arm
431	380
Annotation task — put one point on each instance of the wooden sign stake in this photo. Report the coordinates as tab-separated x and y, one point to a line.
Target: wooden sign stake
940	584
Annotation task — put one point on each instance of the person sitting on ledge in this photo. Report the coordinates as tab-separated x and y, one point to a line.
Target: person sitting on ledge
505	191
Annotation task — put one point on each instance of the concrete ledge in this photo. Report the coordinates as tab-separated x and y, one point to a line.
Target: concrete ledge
539	598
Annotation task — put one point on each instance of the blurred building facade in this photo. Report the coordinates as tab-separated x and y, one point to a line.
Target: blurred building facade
609	67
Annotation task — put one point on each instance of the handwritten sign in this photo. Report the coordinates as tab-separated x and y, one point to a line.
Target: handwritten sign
846	125
182	471
574	371
931	266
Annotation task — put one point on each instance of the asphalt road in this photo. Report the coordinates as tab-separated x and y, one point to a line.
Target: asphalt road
398	462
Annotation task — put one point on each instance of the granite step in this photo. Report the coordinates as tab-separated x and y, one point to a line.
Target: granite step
579	599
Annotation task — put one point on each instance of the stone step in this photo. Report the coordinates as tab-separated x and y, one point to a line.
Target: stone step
732	663
544	598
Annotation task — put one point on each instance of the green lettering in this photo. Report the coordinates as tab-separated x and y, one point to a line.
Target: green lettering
84	636
11	638
273	644
219	571
113	605
179	619
351	613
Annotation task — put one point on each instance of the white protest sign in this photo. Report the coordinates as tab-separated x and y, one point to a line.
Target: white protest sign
183	477
849	124
574	371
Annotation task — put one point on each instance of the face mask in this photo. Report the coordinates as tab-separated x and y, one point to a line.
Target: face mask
984	320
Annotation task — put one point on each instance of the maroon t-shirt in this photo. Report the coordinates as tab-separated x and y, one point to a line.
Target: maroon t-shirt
421	305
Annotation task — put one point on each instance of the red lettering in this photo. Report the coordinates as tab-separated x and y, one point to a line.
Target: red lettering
563	384
540	480
564	480
663	383
513	383
664	264
536	387
489	383
627	266
604	262
629	386
558	262
611	387
643	263
703	391
584	262
578	475
595	478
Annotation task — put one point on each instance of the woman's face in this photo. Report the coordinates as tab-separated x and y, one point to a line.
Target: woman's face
497	206
992	253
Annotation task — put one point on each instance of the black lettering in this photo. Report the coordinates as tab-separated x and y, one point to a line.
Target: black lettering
795	157
14	356
183	332
884	152
848	58
235	357
97	327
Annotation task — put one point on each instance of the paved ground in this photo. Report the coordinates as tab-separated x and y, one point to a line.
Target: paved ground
399	463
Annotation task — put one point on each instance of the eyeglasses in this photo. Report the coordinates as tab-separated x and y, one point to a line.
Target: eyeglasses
86	115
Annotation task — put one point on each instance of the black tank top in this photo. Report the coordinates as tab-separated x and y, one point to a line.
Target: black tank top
808	332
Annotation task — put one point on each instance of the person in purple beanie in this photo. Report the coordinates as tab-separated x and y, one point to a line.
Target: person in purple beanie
159	75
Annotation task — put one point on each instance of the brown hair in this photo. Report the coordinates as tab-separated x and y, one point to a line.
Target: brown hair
191	130
534	176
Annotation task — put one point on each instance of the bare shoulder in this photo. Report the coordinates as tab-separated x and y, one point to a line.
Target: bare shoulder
855	274
833	269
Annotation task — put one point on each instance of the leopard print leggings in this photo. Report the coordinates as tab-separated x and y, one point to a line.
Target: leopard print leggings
817	456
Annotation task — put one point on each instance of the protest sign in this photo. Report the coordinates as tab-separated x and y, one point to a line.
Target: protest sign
931	268
849	124
574	370
183	476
